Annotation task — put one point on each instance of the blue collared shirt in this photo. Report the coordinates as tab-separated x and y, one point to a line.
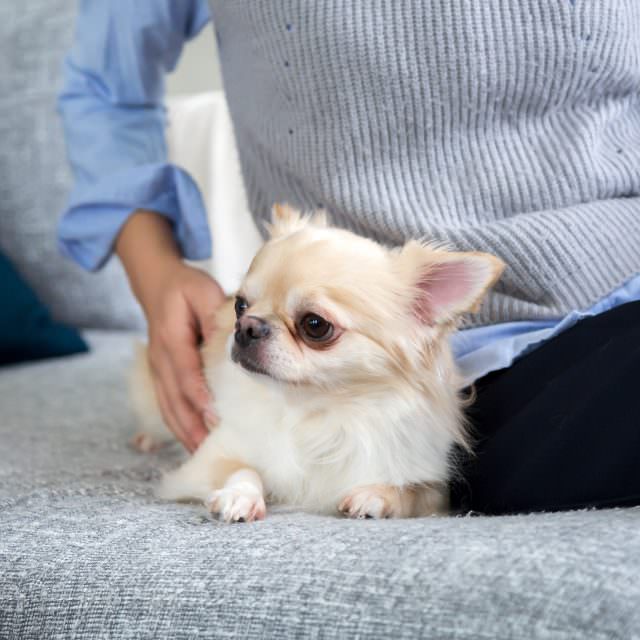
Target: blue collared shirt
481	350
114	120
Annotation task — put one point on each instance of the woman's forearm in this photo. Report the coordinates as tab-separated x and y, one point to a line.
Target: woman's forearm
147	249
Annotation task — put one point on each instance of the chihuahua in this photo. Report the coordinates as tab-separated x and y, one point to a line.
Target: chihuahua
333	378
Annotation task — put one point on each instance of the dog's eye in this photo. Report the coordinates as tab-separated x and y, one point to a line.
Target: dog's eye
241	306
316	328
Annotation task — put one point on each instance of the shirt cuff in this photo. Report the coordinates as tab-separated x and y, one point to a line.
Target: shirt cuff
97	211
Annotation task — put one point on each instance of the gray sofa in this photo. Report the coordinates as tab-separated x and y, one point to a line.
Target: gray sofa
86	551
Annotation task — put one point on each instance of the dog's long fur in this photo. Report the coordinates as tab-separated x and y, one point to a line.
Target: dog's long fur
364	426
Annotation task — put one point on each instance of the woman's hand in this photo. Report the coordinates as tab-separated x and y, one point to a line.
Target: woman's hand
179	302
180	313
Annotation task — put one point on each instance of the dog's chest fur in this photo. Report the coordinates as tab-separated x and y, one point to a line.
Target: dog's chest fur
310	451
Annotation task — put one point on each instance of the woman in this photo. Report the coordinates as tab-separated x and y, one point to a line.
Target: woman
507	127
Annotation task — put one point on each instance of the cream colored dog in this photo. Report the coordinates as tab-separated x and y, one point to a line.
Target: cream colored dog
332	376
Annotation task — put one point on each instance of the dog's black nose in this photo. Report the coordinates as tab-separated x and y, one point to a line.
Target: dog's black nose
250	328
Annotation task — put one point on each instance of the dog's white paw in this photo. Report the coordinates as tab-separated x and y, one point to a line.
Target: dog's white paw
367	502
237	504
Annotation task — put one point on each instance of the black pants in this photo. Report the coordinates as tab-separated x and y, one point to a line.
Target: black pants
560	429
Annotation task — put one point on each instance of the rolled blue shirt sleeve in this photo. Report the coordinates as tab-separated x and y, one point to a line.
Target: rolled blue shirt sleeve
114	122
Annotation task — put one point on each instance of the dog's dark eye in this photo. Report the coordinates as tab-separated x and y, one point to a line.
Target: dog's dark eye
241	306
316	328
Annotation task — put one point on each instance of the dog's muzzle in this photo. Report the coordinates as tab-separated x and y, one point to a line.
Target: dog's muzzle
249	330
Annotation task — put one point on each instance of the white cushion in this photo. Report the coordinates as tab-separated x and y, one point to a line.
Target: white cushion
201	141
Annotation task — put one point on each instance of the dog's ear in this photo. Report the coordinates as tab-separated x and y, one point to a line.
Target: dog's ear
443	284
285	220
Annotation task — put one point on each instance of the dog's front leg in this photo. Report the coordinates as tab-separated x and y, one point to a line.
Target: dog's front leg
229	487
386	501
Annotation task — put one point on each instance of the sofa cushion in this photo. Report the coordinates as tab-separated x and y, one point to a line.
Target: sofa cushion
26	329
86	551
34	177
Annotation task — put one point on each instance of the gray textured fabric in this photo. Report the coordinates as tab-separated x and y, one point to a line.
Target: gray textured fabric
34	178
87	552
505	126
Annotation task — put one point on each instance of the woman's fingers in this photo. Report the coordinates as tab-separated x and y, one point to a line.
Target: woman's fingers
184	421
187	366
190	422
168	415
195	398
189	390
181	315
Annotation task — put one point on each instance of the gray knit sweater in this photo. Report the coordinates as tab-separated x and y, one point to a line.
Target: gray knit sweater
508	126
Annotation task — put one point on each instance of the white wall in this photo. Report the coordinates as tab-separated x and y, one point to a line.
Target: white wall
198	68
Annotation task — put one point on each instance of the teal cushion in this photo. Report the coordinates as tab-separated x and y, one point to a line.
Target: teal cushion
27	331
